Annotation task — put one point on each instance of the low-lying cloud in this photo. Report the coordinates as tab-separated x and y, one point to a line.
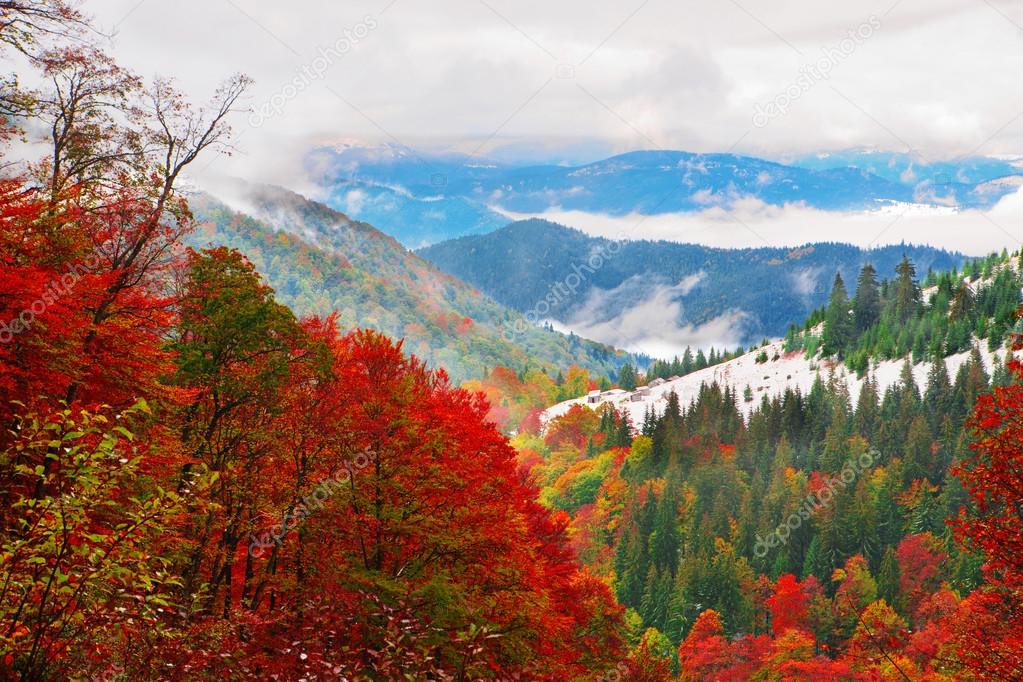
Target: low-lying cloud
750	222
649	317
806	281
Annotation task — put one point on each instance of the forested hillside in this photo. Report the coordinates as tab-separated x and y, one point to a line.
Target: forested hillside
767	289
898	317
822	537
220	461
320	262
195	482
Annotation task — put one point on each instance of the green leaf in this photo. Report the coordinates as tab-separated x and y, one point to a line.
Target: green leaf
124	432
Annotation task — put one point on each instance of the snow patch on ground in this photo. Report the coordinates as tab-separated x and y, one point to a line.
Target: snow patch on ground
771	378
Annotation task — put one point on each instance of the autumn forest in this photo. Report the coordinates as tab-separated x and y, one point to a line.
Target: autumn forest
198	482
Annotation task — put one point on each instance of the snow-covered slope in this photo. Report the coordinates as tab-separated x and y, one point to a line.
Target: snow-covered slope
769	378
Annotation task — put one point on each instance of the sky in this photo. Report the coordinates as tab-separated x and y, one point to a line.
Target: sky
584	78
575	81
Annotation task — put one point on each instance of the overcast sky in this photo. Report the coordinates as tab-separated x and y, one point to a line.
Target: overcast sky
937	76
573	81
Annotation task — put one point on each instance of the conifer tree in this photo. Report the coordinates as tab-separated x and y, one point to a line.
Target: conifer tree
867	305
623	431
962	302
866	417
906	297
627	377
631	564
666	541
838	326
688	364
919	458
937	393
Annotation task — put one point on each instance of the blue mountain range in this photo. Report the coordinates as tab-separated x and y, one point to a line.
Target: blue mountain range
424	198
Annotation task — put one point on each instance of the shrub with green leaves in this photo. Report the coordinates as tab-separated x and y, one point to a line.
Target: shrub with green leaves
81	571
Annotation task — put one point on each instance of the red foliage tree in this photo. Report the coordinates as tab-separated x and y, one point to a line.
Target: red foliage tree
989	625
788	604
573	428
425	511
705	650
920	561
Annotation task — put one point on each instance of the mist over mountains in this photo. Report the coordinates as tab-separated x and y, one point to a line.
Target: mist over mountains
423	198
658	296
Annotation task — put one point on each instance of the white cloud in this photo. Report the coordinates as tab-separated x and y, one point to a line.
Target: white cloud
661	338
647	316
937	77
806	281
354	201
751	223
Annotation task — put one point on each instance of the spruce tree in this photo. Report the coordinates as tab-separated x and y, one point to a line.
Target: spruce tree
623	432
867	409
656	598
673	410
666	541
962	302
907	292
627	377
631	565
1002	375
817	561
649	421
867	305
937	393
888	579
838	327
919	458
687	361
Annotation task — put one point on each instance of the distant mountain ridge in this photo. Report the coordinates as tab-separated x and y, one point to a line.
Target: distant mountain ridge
911	168
761	291
423	198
